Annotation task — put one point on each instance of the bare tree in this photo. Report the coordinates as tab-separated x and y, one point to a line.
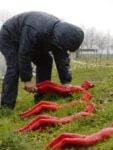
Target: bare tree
101	42
4	15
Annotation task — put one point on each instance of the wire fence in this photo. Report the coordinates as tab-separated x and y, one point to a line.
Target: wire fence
83	59
93	59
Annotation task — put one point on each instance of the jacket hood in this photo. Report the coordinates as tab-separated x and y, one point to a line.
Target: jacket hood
67	36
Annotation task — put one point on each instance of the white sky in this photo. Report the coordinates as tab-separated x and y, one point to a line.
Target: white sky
90	13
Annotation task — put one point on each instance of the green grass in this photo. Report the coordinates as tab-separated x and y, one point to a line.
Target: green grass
102	118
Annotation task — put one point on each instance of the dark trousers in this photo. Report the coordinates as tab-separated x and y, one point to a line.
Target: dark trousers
10	82
43	71
44	67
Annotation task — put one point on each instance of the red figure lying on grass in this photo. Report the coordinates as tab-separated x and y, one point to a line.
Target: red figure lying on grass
66	140
51	87
47	87
42	121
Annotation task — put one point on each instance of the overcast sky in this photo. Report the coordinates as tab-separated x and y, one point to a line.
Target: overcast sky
90	13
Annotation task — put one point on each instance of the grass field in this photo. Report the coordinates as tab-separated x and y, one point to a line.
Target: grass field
102	118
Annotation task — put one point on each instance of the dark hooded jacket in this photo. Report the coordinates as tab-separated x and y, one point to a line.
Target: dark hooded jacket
36	33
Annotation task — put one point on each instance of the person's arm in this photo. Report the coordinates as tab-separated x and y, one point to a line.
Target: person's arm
25	67
62	61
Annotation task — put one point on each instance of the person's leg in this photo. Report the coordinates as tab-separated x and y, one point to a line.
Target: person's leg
10	82
44	68
43	71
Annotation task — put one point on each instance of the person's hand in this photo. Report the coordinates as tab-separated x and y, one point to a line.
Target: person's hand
30	87
67	84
